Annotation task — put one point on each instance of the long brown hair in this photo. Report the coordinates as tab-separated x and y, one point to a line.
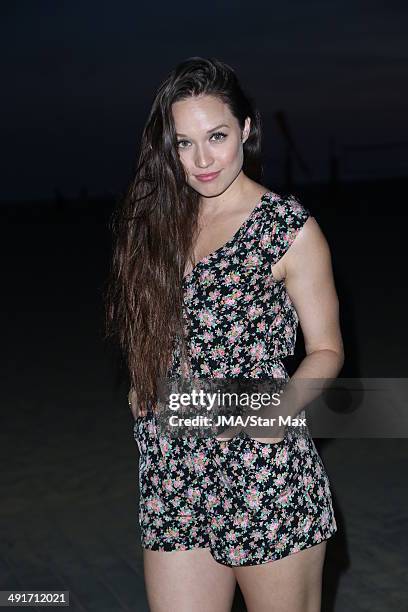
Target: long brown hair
155	224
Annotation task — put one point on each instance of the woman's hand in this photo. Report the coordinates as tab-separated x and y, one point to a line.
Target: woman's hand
133	405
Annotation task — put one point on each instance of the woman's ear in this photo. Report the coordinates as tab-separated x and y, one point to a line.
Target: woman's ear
246	130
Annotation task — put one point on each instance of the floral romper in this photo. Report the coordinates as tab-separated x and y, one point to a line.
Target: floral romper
249	502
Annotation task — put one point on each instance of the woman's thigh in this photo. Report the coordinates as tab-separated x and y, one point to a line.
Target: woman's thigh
290	584
185	580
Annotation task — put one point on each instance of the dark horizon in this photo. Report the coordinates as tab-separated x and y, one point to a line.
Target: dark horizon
80	81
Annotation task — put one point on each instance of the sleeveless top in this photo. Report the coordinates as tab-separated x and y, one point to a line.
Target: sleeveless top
239	320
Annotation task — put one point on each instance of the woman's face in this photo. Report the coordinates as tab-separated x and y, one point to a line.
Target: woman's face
209	141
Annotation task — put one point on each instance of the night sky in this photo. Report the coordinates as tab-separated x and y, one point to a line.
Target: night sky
79	78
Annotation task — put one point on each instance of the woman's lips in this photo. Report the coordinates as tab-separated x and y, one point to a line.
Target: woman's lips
207	177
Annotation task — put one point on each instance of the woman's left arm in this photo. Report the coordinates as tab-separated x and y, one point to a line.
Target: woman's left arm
310	284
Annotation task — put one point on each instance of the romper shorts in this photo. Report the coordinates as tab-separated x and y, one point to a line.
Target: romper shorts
249	502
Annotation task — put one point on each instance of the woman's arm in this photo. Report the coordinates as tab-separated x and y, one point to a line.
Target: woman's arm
309	282
307	269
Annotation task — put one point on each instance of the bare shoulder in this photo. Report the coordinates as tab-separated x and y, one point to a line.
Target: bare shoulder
308	249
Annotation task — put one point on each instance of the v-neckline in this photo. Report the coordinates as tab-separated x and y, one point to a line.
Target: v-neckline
230	241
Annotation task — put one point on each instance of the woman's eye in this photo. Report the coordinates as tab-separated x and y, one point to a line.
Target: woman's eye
220	136
180	142
223	136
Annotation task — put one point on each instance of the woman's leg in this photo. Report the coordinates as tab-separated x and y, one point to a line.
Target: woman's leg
290	584
186	580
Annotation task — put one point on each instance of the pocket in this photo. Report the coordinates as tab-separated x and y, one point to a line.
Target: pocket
260	442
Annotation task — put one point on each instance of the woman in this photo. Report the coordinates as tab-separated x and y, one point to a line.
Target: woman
211	273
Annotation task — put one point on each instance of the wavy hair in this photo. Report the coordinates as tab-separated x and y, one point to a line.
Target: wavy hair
155	224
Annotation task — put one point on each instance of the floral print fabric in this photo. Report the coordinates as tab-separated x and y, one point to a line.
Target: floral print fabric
250	502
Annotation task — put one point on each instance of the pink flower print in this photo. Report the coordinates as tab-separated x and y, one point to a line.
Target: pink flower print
227	504
262	475
241	520
284	498
199	463
280	209
236	370
237	553
206	276
214	295
155	480
254	311
317	536
211	501
265	451
257	351
248	458
206	317
167	484
164	445
261	326
208	336
235	332
277	321
280	480
265	240
306	523
231	536
215	522
272	529
171	533
252	261
205	369
185	517
219	351
253	498
154	504
280	545
151	428
324	519
223	264
281	456
193	494
301	444
195	350
149	535
177	483
307	481
295	548
256	535
230	300
288	333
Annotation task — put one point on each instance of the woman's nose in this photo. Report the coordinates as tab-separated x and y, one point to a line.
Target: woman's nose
203	158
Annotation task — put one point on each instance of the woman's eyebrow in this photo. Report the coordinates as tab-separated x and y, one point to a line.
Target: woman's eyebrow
217	127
